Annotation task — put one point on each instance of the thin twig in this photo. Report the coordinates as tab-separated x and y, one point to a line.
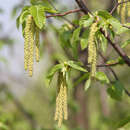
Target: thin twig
65	13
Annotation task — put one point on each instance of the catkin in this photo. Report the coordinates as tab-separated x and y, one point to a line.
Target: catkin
26	41
61	103
65	103
123	12
37	45
92	48
119	7
128	9
31	56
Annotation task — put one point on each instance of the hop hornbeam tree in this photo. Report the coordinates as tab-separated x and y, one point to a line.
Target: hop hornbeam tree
85	43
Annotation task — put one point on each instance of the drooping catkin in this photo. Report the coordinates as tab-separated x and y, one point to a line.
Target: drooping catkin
37	45
119	7
128	9
61	106
92	48
26	41
65	108
123	12
31	50
61	102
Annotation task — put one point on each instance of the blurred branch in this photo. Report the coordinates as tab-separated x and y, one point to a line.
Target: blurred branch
20	107
117	4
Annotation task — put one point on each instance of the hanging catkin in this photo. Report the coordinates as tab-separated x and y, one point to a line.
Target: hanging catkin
37	45
31	50
119	7
92	49
128	9
61	102
123	12
26	41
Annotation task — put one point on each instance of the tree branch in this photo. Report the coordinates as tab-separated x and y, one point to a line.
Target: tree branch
117	48
65	13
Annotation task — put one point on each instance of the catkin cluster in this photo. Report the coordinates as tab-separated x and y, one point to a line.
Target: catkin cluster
31	40
92	54
61	104
121	9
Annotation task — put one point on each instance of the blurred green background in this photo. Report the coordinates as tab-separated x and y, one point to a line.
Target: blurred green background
28	103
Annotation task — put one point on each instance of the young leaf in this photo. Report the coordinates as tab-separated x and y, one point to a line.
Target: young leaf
50	10
75	36
123	122
104	14
125	43
101	76
23	16
87	84
53	70
116	90
83	19
88	22
83	43
76	66
38	14
116	25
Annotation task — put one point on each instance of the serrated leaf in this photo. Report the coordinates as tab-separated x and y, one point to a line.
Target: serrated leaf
53	70
83	19
38	14
125	43
104	14
76	66
88	22
87	84
116	90
123	122
101	76
83	43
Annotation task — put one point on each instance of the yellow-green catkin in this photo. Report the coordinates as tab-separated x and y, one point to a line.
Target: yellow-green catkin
65	108
123	12
26	41
31	51
37	45
128	9
119	7
61	104
92	49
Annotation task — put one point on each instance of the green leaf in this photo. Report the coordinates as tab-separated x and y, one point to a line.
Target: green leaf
83	19
75	36
125	43
38	14
101	76
117	26
50	10
76	66
88	22
104	14
83	43
116	90
87	84
23	16
123	122
103	42
53	70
